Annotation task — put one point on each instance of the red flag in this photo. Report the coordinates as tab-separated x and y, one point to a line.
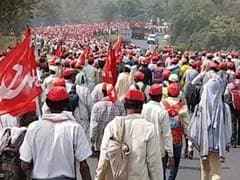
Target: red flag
110	68
59	52
118	45
18	79
118	49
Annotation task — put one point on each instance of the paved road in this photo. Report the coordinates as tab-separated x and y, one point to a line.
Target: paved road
141	43
190	169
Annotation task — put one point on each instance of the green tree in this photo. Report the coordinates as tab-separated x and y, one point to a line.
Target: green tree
15	14
131	9
155	10
109	11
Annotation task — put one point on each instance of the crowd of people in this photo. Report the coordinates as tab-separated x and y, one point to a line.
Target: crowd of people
135	126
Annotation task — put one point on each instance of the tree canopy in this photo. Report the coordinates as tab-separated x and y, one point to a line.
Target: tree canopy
205	24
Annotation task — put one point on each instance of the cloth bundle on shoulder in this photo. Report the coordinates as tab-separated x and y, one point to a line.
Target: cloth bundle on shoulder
117	155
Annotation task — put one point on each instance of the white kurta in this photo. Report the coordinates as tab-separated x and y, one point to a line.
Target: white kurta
49	145
145	157
155	113
91	75
83	112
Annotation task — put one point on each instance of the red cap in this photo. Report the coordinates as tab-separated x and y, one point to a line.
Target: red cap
174	60
67	72
210	55
204	53
155	59
144	61
135	95
155	89
166	74
230	65
234	54
237	74
199	63
59	82
90	59
139	75
173	90
214	66
223	55
57	94
223	66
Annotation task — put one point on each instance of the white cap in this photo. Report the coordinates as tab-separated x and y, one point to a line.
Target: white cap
173	78
53	68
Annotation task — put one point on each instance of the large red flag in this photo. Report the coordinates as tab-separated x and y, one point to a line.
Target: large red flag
110	68
118	45
118	49
18	79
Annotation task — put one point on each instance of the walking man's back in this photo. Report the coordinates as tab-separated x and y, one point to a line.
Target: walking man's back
54	142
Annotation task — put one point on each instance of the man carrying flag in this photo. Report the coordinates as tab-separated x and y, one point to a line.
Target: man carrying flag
110	68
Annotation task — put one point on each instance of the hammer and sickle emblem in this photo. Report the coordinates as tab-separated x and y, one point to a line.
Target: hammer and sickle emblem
6	92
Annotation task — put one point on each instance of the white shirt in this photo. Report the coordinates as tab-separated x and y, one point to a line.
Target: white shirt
91	75
49	144
7	120
154	112
144	159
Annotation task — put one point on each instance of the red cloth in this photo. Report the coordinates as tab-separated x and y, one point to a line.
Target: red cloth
78	64
118	45
214	65
110	68
59	82
175	122
173	90
18	79
155	89
111	92
134	94
223	66
166	74
57	93
237	74
230	65
139	75
67	72
59	52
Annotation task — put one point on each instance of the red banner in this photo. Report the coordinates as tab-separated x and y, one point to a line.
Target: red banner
110	68
18	79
